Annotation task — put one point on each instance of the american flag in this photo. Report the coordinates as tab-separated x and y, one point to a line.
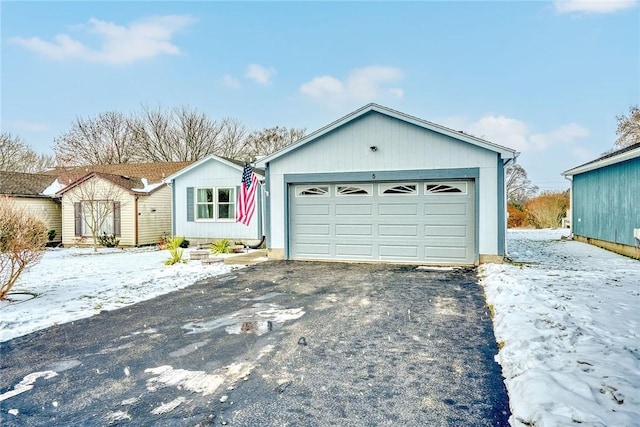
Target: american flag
247	196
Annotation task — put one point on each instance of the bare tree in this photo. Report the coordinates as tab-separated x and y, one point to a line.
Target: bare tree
519	187
182	134
268	141
628	128
232	139
104	139
96	205
16	156
23	237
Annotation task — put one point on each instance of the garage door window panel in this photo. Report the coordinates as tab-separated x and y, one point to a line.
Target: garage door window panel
312	191
354	190
453	188
398	189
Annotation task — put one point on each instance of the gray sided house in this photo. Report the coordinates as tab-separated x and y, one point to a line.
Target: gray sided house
35	193
380	185
605	201
204	199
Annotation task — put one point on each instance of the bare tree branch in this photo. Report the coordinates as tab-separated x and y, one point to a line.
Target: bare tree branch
22	241
519	187
104	139
16	156
628	128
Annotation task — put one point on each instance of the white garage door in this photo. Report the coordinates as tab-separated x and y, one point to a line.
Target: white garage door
422	222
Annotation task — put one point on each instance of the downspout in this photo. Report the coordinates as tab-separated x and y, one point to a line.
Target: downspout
570	179
173	207
135	243
506	163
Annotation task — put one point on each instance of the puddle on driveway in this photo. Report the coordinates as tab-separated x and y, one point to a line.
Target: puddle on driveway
266	296
258	319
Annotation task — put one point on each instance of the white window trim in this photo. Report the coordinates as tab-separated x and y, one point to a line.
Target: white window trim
108	220
367	187
215	204
384	187
302	188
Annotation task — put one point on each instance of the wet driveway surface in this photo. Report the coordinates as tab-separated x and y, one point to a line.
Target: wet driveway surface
276	344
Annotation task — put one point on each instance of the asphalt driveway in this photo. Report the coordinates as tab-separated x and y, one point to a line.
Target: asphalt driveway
276	344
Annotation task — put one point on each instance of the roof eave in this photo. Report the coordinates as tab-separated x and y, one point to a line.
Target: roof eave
628	155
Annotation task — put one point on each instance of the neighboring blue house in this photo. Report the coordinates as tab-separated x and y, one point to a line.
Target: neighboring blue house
204	201
380	185
605	201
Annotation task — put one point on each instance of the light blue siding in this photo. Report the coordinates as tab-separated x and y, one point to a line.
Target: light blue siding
211	173
606	202
403	151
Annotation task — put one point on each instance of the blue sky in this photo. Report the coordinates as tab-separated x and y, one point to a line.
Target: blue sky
545	78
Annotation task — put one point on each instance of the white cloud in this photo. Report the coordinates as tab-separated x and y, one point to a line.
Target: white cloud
231	82
593	6
397	92
119	44
361	85
514	133
260	74
27	126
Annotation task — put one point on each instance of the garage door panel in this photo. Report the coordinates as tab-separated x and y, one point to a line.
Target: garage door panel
398	209
312	210
361	251
443	254
343	209
447	209
420	227
313	249
446	242
399	252
445	230
399	231
347	230
314	230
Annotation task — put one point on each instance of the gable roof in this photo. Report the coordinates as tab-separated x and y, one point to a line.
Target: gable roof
506	153
236	164
152	172
627	153
133	185
24	184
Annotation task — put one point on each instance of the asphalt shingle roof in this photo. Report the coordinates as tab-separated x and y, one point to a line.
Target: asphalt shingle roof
24	184
152	172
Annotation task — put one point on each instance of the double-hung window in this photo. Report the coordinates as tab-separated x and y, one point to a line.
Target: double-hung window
216	204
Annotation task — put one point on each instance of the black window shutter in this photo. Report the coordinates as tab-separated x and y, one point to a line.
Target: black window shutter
116	218
190	204
77	216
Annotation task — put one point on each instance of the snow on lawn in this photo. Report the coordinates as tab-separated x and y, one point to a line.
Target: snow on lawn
567	315
76	283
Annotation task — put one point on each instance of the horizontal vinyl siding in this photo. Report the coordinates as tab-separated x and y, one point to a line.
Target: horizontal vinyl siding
210	174
100	188
154	216
47	210
606	202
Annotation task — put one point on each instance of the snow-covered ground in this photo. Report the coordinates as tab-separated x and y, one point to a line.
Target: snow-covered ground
567	316
76	283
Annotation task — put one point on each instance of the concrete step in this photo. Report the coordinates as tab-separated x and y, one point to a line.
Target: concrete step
199	254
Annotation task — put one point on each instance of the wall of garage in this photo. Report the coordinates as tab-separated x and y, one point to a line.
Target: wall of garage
400	146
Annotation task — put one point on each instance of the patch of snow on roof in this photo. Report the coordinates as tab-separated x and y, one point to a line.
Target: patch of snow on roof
53	188
148	188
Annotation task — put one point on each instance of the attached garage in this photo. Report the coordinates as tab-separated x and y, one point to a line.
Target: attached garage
427	221
378	185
